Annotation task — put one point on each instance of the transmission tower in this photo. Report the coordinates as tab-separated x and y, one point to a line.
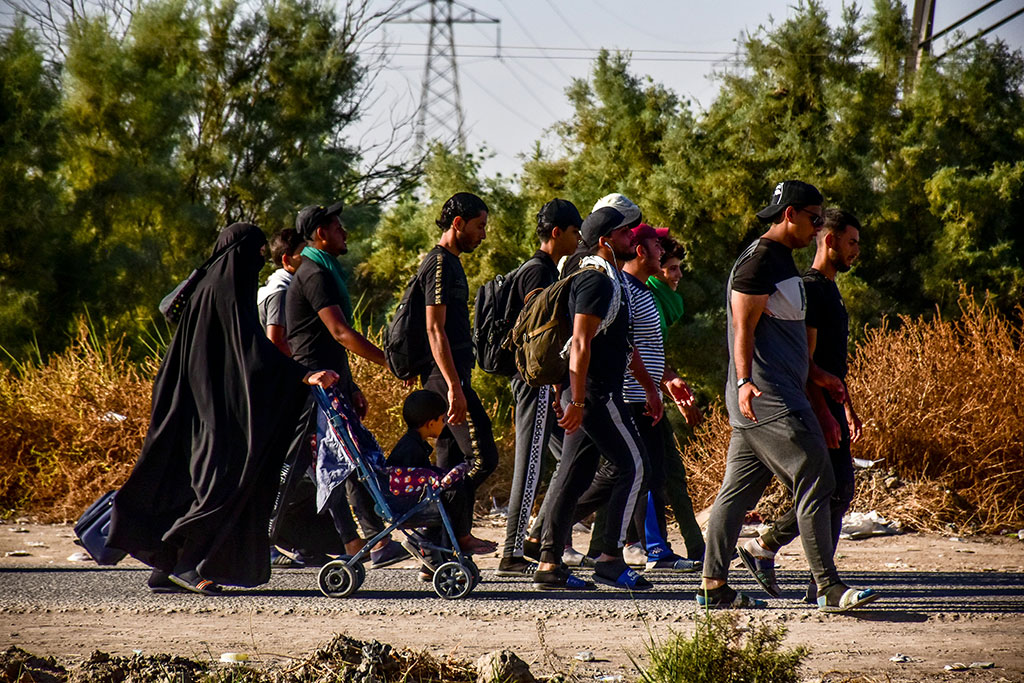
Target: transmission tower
924	36
440	99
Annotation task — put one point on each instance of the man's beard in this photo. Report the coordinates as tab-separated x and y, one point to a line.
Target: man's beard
464	243
840	265
624	256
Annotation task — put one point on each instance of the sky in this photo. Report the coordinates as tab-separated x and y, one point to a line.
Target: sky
512	97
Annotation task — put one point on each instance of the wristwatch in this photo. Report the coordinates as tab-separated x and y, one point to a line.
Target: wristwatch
744	380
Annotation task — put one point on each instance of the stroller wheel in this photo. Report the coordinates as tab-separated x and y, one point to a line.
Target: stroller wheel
338	580
453	581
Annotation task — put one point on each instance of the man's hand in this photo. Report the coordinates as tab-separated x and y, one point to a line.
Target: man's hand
653	408
456	404
856	426
685	401
829	382
746	400
572	418
321	378
555	404
360	405
830	428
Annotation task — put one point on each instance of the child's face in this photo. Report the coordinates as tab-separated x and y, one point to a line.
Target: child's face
433	428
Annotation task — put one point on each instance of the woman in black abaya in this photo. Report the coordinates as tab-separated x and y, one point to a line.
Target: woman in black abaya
225	401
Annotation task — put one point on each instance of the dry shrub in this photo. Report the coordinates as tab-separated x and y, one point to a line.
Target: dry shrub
61	442
940	410
941	406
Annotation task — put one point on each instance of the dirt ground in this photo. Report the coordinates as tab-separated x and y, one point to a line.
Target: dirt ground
947	600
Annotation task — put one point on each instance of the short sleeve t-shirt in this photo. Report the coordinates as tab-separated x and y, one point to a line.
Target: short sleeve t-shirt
443	282
537	273
647	337
826	312
311	290
591	293
271	310
412	450
779	366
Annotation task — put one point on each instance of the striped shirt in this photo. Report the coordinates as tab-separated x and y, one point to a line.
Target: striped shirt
647	338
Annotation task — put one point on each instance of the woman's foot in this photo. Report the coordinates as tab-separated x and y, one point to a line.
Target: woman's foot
476	546
192	582
160	582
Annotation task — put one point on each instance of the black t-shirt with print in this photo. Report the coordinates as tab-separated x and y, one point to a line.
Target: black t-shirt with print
826	312
443	282
591	293
537	273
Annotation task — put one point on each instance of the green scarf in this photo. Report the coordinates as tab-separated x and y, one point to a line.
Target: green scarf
331	265
669	302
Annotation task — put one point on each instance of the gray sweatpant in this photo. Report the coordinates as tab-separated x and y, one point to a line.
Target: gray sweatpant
793	449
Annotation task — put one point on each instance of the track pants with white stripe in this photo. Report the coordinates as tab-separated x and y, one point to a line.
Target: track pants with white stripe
607	430
537	430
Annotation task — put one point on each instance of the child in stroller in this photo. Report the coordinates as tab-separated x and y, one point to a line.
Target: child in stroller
411	499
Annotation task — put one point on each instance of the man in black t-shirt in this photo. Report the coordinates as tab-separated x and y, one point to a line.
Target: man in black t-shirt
558	226
467	437
320	332
595	417
774	430
828	332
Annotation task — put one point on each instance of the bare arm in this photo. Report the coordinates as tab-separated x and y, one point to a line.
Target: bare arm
276	334
334	320
681	393
826	380
584	327
441	349
746	311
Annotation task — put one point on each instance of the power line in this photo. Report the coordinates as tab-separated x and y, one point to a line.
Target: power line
554	7
530	37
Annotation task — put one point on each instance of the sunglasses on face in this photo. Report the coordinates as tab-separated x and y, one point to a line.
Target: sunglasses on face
816	220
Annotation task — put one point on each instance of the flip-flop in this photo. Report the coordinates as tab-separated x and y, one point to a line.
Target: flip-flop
852	598
192	582
629	579
160	582
731	600
762	570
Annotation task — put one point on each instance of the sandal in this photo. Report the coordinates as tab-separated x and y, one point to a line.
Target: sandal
192	582
849	599
763	571
624	577
160	582
560	579
725	597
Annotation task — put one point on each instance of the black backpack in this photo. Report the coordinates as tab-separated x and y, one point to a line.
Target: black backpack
406	347
493	319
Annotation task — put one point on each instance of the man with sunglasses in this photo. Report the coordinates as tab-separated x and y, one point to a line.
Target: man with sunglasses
774	429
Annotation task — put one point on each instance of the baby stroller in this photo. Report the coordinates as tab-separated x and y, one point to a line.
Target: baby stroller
405	508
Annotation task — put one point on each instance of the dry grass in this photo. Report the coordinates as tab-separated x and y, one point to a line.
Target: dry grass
61	445
940	405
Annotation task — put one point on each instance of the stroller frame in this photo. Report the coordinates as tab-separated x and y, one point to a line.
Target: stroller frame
454	577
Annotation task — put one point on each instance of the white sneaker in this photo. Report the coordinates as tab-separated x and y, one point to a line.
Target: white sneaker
634	555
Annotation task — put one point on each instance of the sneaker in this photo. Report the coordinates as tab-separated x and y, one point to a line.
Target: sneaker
516	567
634	555
673	563
391	553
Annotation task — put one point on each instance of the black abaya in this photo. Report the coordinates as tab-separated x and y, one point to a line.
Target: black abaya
224	404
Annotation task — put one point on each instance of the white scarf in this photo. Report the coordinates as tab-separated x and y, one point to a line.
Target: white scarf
613	307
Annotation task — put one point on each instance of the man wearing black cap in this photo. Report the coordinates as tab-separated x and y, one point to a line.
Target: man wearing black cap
558	227
595	418
319	322
774	429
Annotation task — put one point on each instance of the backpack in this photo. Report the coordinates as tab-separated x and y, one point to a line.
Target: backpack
492	321
406	348
541	332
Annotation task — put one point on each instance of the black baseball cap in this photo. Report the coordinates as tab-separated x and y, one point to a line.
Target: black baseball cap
790	193
312	217
601	223
559	212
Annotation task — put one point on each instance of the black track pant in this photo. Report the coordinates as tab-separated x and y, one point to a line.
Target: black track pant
576	492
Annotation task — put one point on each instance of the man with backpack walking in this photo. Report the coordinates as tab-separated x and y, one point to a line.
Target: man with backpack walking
558	227
442	283
595	418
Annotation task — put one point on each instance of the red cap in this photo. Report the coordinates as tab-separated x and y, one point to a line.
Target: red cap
662	232
643	232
